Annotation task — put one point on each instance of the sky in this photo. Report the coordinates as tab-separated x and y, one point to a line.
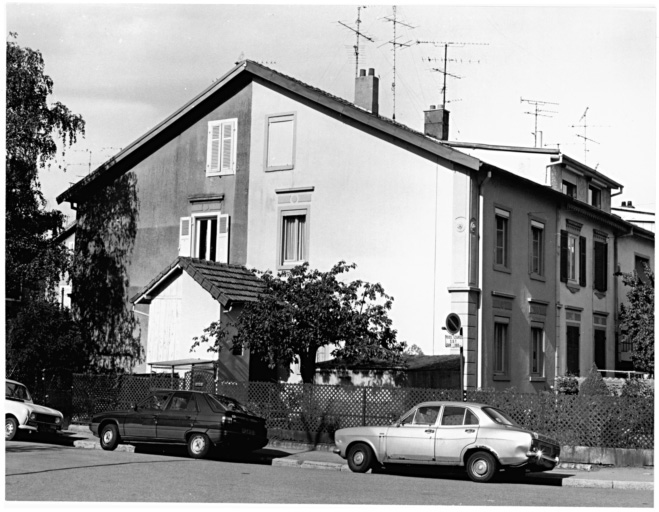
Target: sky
125	67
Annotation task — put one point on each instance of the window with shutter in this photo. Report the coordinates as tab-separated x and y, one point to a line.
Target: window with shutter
184	237
223	239
601	263
582	261
564	256
501	239
280	142
221	150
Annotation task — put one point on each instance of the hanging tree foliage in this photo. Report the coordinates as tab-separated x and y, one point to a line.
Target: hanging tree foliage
302	310
33	126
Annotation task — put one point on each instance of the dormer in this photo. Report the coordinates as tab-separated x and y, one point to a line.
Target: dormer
581	182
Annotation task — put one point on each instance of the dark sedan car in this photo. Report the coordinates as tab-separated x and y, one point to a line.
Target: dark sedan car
199	420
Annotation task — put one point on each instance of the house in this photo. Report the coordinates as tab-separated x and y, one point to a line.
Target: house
263	171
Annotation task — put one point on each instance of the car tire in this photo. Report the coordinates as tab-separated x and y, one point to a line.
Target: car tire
11	429
198	446
481	466
360	458
109	437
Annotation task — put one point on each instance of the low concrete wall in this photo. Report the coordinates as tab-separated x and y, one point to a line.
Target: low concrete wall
619	457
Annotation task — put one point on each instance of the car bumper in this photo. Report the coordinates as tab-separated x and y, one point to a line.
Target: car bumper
537	460
40	427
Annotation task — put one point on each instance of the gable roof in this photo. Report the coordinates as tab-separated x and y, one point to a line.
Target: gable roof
239	76
225	283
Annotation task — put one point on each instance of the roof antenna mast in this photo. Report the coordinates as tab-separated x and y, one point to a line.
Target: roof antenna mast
584	136
446	61
539	111
395	44
359	34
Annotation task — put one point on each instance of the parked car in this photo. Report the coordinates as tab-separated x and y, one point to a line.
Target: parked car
482	438
199	420
23	415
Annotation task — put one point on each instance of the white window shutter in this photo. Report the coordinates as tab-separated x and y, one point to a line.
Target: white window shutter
213	150
184	237
228	147
223	239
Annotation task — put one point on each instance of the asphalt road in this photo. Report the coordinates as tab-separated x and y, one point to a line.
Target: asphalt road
47	472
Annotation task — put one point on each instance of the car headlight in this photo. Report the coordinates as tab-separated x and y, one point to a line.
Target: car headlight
33	416
57	420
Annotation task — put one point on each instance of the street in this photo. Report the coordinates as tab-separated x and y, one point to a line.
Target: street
39	471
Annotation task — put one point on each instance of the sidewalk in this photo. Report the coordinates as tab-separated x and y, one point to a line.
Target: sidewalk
297	455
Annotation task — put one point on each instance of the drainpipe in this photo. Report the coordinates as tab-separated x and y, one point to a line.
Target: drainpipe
557	334
479	370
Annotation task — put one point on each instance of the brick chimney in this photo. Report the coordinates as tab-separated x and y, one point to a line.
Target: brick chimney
435	122
367	90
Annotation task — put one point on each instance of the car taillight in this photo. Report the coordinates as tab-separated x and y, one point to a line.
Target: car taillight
227	420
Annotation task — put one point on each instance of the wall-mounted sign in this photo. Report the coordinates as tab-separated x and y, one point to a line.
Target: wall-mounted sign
453	323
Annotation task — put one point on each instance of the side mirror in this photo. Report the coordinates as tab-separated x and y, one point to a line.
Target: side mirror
133	406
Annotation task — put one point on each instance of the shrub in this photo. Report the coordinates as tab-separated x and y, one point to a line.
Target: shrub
637	388
567	385
594	384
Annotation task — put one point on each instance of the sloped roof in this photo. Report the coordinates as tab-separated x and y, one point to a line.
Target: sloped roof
225	283
240	75
408	362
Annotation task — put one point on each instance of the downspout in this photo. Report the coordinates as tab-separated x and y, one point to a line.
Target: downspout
479	371
557	334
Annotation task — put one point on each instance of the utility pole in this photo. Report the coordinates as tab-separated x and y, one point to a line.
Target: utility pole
538	111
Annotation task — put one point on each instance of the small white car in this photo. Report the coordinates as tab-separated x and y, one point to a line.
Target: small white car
24	415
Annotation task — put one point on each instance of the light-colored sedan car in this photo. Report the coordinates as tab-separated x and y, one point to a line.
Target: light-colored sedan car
22	414
477	436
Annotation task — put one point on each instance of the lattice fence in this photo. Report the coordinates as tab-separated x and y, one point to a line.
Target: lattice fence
611	422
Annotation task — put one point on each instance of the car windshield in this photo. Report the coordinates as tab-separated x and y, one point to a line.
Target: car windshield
228	404
499	416
15	390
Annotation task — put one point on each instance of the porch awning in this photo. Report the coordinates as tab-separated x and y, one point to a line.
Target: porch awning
182	363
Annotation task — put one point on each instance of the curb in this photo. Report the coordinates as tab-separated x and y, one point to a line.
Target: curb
332	466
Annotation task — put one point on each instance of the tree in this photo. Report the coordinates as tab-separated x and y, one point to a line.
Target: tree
637	319
594	384
302	310
33	260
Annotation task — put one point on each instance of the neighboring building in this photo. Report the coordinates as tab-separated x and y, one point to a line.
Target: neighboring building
263	171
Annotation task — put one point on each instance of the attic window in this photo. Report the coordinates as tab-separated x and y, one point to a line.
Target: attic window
569	189
221	150
280	140
594	196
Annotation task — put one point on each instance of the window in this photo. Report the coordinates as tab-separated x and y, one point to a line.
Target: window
205	237
594	196
537	351
502	218
221	150
569	189
573	258
453	415
600	348
280	142
573	335
237	349
294	234
537	248
426	415
600	263
501	347
640	264
155	402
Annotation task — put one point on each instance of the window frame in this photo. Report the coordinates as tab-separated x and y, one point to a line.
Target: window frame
221	240
595	196
292	116
233	150
569	189
501	373
539	373
292	211
505	215
539	272
600	263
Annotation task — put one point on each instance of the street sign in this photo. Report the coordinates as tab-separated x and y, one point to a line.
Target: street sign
453	323
453	341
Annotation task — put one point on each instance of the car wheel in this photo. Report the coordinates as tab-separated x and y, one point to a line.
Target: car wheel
198	446
481	466
360	458
11	429
109	437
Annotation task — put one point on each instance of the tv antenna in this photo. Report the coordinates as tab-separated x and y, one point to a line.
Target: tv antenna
395	44
359	34
585	138
539	111
446	61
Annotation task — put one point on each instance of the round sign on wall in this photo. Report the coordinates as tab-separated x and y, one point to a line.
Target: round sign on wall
453	323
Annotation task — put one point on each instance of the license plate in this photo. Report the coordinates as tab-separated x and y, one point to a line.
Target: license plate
248	432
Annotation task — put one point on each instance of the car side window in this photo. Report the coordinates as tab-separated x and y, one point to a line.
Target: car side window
453	415
155	402
471	418
407	420
426	415
182	402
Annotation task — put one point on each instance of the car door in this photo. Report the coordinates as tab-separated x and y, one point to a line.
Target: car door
457	429
413	439
141	423
178	417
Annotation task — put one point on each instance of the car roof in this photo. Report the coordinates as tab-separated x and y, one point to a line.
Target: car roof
15	382
455	403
